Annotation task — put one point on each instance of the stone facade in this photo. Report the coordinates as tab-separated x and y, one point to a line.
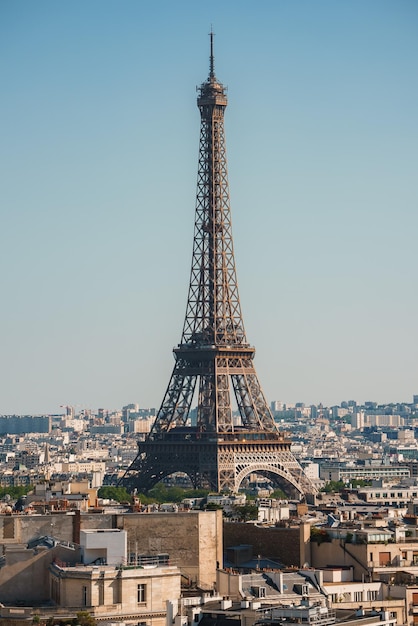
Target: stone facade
377	561
193	542
127	594
24	566
289	546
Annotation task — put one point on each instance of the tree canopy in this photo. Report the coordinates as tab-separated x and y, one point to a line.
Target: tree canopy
15	492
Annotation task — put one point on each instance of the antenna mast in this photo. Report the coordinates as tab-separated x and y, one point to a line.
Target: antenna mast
212	62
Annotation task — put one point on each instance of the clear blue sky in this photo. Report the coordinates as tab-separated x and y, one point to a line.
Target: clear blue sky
98	156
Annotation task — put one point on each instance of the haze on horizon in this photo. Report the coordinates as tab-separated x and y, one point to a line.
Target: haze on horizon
99	162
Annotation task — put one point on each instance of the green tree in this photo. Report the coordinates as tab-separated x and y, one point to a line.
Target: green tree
114	493
175	494
161	493
196	493
246	512
213	506
84	618
359	482
15	492
333	486
278	494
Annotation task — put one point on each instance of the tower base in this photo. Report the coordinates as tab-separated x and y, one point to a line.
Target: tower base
218	462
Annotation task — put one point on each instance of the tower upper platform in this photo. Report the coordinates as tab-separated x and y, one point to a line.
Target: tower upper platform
212	92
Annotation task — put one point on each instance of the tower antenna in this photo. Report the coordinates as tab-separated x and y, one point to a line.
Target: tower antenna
212	61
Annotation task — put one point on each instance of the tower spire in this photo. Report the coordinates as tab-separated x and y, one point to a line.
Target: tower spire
212	60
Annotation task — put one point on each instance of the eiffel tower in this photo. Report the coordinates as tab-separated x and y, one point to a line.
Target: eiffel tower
216	449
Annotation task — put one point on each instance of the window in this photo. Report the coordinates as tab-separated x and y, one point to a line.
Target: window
358	596
142	594
372	595
384	559
84	598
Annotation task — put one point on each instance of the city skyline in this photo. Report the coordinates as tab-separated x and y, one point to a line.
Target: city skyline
99	157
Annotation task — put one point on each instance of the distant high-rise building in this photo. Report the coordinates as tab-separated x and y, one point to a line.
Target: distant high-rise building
70	412
47	454
276	405
357	420
19	424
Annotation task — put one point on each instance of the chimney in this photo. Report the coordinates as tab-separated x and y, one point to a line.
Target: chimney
76	527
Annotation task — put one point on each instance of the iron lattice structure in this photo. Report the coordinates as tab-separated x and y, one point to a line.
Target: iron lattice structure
215	449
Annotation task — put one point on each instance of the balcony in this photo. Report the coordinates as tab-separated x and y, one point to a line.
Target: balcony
395	561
